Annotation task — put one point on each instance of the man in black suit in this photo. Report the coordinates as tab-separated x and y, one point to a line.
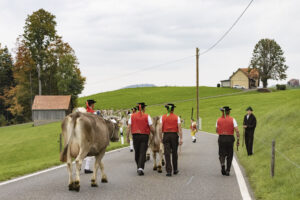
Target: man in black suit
249	126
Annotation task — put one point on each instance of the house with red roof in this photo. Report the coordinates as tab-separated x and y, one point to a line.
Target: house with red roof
243	78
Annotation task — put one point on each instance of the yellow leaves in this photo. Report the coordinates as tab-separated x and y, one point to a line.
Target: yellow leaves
11	99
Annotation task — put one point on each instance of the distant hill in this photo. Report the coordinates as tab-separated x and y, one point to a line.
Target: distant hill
139	85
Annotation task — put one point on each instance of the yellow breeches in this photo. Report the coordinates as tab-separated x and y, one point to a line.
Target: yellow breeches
193	132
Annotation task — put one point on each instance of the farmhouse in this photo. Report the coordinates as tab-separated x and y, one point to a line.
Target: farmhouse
46	109
243	78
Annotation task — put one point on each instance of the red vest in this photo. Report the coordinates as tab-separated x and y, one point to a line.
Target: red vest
225	126
139	123
89	109
170	123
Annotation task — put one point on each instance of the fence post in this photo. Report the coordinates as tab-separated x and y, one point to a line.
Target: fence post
60	143
273	159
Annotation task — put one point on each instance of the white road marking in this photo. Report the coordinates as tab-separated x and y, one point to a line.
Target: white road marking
190	180
241	181
239	176
48	170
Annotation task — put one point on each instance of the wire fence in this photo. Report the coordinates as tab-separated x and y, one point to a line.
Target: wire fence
279	152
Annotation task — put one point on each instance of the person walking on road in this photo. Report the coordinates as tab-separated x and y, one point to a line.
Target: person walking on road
140	125
225	127
193	130
171	127
129	135
249	125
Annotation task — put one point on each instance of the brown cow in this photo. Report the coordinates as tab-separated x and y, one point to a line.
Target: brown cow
156	146
86	134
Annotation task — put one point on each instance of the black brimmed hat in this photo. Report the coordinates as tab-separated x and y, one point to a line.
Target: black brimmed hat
225	108
143	105
249	108
91	101
170	105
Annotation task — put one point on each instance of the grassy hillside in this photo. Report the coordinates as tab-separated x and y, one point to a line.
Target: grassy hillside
25	149
126	98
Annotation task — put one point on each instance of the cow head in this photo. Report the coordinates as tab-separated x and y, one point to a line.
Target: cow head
113	129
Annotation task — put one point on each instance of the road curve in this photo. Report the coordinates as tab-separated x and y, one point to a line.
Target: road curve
199	178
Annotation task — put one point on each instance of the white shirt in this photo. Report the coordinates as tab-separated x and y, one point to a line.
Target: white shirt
121	129
178	120
234	123
149	121
248	117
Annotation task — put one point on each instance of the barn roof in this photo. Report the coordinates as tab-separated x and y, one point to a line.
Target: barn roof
51	102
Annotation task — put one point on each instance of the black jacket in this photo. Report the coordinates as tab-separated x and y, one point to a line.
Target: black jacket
250	123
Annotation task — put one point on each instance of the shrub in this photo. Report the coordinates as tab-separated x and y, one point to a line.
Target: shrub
3	121
281	87
218	85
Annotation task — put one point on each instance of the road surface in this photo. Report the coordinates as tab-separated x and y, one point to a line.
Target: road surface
199	178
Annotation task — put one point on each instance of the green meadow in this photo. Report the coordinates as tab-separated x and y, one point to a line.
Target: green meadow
25	149
127	98
278	115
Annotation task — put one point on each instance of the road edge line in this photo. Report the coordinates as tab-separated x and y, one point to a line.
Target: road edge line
239	176
48	170
241	180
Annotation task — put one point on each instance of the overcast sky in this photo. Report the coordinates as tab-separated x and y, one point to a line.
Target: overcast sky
113	38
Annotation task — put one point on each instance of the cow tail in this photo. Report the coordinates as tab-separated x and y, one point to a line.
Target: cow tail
71	130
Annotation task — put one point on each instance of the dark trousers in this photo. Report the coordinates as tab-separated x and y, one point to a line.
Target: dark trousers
170	142
249	136
226	150
140	144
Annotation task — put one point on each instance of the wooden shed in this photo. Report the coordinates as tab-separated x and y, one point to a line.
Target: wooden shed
46	109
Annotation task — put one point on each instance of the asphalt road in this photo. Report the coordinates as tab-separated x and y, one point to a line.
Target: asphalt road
199	178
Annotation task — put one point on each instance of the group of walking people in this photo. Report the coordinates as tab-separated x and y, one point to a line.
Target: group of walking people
170	132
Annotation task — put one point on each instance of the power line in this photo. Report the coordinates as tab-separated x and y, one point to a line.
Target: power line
226	33
178	60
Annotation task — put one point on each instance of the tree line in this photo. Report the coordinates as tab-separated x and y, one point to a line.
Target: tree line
43	65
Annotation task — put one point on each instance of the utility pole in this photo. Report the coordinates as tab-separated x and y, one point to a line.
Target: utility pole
197	84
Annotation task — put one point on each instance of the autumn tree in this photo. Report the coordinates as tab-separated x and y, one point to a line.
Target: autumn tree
26	78
39	33
50	64
6	82
268	59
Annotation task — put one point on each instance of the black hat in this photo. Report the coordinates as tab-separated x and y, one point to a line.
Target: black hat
170	105
134	108
249	108
143	105
225	108
91	101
